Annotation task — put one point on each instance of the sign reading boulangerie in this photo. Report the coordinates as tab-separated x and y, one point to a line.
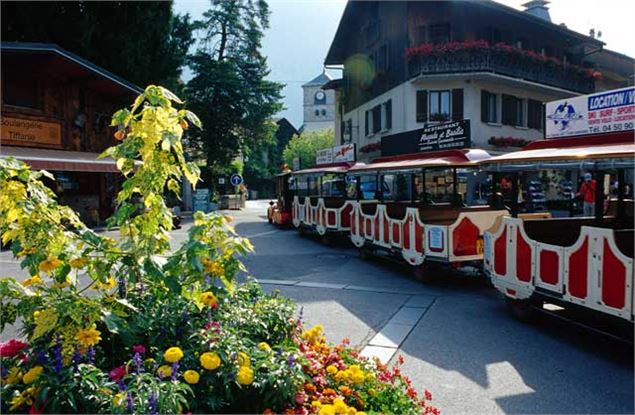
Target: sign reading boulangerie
447	136
25	132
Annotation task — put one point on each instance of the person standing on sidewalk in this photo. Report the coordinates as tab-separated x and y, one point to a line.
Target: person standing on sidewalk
587	192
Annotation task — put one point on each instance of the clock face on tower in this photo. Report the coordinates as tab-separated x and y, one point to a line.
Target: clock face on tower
320	97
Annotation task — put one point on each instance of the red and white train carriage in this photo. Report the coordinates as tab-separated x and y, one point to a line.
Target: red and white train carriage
422	207
319	204
579	260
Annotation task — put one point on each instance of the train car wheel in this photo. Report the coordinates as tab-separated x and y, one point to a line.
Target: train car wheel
364	254
425	272
523	310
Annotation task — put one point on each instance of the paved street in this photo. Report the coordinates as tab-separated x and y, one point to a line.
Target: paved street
455	335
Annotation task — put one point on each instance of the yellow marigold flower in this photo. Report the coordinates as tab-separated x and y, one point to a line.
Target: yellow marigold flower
191	377
14	376
342	375
361	413
370	376
118	399
264	347
340	407
164	371
88	337
357	377
331	370
242	359
32	374
351	410
78	262
173	354
209	299
34	280
50	265
327	410
149	361
108	285
316	404
245	375
36	313
210	360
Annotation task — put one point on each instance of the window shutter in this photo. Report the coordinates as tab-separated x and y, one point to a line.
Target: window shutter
366	131
531	114
457	104
422	106
484	106
376	118
389	114
509	110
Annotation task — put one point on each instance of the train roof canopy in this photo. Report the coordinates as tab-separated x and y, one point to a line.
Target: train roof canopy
586	152
445	158
326	168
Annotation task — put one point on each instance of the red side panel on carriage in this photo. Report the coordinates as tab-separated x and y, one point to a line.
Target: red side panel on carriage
574	246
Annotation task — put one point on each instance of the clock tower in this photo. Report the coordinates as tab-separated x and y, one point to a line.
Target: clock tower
319	105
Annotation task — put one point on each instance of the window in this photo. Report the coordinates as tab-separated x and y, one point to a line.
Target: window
314	188
387	121
422	106
474	188
418	187
397	187
351	187
439	185
348	130
21	93
302	186
324	113
333	185
376	118
368	187
381	59
439	106
513	111
317	113
420	35
440	33
535	115
489	108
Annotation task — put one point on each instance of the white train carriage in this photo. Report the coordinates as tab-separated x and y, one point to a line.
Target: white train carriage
560	255
422	208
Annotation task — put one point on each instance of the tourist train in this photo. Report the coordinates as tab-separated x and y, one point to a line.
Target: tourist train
552	222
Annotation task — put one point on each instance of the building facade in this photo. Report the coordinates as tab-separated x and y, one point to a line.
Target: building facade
56	112
318	104
410	65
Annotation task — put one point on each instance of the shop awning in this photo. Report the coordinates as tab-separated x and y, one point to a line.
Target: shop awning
59	160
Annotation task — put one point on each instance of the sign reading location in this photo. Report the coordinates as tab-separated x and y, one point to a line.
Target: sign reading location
236	179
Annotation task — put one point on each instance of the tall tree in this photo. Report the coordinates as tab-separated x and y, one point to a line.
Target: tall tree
306	145
229	91
143	42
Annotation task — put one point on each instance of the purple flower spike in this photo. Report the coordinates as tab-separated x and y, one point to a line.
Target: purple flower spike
175	371
138	364
76	359
129	402
152	404
91	355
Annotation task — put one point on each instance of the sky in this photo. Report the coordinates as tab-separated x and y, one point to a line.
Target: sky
301	32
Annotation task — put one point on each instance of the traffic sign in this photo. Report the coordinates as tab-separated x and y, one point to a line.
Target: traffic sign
236	179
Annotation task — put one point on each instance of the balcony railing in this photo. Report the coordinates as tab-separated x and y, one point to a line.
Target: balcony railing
486	61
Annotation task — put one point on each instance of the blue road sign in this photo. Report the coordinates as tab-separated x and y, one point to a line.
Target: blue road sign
236	179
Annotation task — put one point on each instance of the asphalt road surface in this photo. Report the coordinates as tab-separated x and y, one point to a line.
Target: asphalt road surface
455	334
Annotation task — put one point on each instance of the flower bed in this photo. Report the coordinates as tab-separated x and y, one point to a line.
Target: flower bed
126	326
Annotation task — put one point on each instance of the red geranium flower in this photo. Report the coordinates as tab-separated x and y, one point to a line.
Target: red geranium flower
139	349
11	348
117	373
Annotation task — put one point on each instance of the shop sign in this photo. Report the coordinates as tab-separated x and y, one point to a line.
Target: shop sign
30	133
603	112
337	154
447	136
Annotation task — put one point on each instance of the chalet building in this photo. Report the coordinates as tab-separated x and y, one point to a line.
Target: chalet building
413	65
56	112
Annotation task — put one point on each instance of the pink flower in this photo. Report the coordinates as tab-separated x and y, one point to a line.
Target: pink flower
139	349
11	348
117	373
300	398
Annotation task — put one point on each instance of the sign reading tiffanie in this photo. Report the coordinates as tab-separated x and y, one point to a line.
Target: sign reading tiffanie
31	133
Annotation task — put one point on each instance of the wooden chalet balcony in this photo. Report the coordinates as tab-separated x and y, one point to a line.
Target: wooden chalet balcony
559	76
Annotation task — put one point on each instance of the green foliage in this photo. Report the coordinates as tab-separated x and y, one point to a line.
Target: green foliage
229	89
306	145
114	35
